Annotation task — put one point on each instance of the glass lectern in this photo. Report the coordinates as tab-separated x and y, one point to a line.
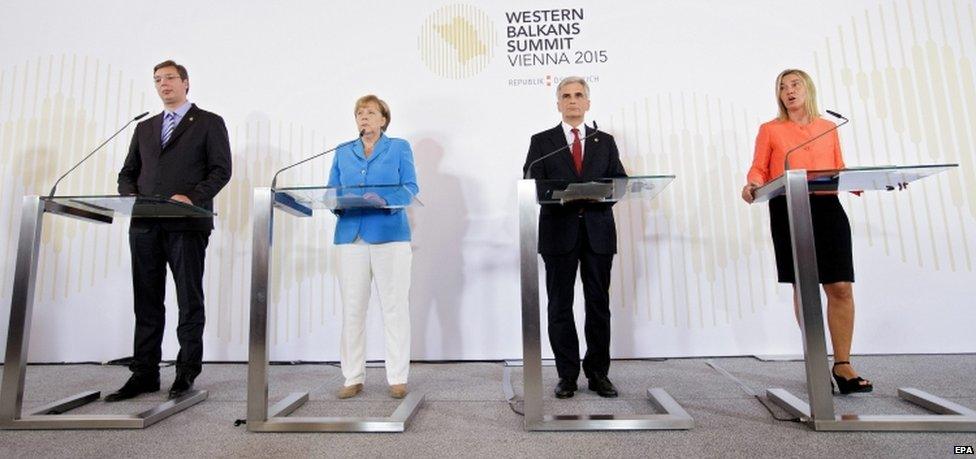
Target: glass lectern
302	202
819	412
531	194
96	209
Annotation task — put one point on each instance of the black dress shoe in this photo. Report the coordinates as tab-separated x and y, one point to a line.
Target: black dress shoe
603	387
181	385
134	386
565	388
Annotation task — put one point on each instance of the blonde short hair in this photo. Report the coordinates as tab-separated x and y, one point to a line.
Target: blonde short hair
811	103
369	98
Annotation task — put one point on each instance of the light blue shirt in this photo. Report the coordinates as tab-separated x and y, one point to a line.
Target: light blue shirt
179	113
390	164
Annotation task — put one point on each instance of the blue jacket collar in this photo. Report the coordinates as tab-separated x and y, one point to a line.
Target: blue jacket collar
381	146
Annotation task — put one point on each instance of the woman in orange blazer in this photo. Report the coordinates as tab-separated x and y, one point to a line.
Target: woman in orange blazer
799	120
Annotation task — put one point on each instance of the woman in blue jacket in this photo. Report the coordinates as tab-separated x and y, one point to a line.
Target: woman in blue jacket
374	245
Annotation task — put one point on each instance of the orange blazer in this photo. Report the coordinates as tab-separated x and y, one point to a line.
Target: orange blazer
776	137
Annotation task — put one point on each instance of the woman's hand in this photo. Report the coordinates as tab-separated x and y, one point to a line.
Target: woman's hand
749	192
374	199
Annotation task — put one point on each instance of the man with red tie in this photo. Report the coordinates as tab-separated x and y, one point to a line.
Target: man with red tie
577	236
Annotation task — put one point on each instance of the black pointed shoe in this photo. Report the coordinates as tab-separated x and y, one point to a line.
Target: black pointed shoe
136	385
565	388
181	385
602	386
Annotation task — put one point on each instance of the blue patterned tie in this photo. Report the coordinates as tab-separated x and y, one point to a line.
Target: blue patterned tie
169	123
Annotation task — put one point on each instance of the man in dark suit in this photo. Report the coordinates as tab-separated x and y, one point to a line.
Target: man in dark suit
182	154
577	236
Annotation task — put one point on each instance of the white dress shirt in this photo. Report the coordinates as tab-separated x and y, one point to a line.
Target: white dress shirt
567	130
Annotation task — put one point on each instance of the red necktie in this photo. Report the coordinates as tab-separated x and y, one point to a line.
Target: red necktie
577	152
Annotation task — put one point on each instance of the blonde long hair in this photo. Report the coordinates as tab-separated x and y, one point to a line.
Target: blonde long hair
811	103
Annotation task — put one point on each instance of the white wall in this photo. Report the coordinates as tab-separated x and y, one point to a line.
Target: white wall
684	87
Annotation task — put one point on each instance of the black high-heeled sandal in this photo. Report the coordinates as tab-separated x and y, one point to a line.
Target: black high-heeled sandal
850	386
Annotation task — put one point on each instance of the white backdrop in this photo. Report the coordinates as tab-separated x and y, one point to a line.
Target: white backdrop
682	85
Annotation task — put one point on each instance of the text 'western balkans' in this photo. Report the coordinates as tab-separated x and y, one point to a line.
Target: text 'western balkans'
542	37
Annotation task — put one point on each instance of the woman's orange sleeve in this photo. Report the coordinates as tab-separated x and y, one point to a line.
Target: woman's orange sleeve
759	172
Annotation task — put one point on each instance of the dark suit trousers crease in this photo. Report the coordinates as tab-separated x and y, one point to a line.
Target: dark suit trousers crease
560	284
152	249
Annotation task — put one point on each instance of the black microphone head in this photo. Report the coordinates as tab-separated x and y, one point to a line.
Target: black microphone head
595	127
140	116
362	132
835	114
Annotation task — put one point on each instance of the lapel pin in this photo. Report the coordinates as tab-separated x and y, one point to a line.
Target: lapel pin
596	140
191	118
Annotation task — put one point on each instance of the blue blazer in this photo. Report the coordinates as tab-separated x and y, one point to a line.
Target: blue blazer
390	164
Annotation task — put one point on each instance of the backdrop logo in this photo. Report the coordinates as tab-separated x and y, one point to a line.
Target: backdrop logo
548	38
457	41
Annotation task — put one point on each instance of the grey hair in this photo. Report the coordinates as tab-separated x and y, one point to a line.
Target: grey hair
571	80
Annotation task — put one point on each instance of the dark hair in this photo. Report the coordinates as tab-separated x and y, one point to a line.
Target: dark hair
179	69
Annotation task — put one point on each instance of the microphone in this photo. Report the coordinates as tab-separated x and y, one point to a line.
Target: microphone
528	170
55	187
836	115
786	160
274	180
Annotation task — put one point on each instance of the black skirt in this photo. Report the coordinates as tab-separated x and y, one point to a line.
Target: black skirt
831	235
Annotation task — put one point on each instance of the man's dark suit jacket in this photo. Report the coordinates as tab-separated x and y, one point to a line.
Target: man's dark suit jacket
196	162
559	224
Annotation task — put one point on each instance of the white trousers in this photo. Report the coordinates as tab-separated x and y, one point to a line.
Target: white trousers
389	265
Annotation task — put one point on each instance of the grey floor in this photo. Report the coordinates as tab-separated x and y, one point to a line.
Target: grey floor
466	414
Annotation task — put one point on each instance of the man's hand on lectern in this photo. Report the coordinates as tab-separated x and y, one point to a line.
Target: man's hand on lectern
181	198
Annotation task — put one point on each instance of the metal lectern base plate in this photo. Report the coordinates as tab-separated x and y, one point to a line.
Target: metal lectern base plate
951	416
278	420
674	418
49	416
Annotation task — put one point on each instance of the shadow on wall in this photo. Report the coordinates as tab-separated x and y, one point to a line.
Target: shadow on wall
438	231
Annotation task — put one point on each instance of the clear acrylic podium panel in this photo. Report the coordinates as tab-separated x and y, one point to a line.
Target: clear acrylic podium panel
819	412
96	209
301	202
133	206
601	190
531	194
304	200
873	178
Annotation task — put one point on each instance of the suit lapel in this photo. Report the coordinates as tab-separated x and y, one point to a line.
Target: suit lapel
381	146
590	151
185	123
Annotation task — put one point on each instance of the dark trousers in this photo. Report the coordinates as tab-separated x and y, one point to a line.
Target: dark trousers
152	250
594	270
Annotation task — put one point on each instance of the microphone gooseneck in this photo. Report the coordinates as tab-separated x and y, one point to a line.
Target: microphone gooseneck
274	180
55	187
786	159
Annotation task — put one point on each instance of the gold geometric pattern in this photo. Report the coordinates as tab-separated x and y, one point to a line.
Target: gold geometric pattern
457	41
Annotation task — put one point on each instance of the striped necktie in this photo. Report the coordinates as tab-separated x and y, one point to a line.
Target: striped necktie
169	123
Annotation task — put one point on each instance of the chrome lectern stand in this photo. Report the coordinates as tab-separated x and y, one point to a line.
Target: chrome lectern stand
98	209
301	202
819	414
546	192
